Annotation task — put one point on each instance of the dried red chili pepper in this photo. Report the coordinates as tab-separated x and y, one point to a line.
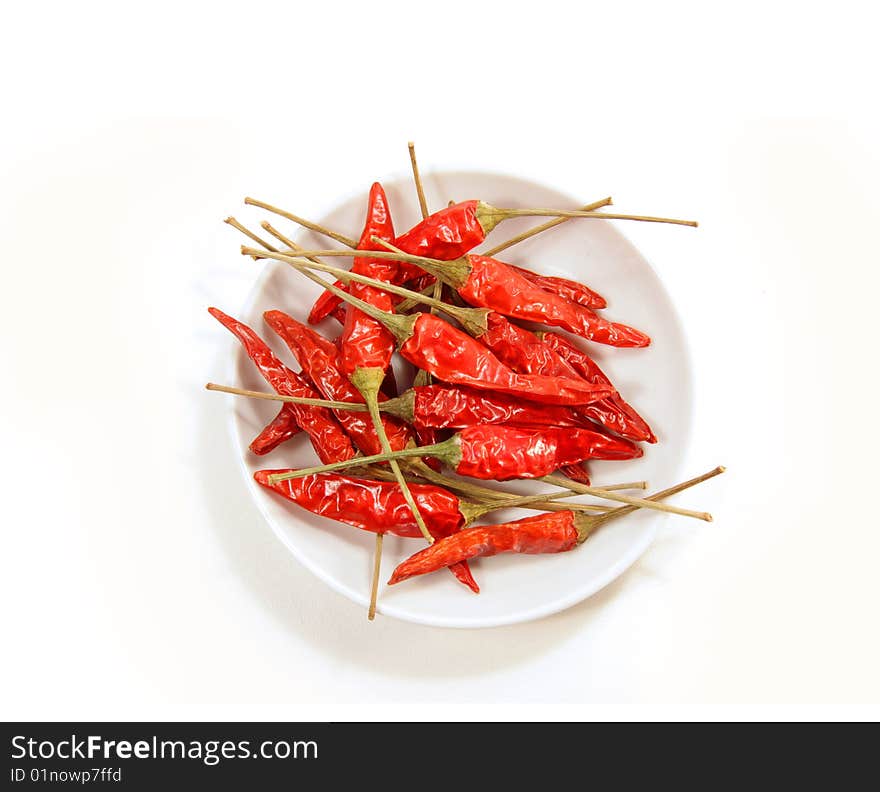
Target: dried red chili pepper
366	344
506	452
613	413
279	430
571	290
549	533
320	360
329	441
448	407
488	283
377	506
556	532
457	229
551	355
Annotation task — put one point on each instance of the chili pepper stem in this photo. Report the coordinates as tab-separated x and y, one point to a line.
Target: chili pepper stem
300	221
368	381
329	404
543	227
423	204
559	481
454	272
251	235
266	226
588	524
474	320
422	377
377	565
447	452
470	317
490	216
483	494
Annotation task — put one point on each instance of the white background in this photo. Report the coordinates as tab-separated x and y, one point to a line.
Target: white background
138	580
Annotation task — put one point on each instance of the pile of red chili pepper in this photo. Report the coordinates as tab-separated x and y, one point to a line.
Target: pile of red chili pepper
489	397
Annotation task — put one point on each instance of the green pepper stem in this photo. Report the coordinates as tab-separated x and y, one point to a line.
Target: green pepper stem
447	451
305	400
348	275
491	215
401	327
417	179
300	221
368	381
587	524
454	272
473	320
560	481
543	227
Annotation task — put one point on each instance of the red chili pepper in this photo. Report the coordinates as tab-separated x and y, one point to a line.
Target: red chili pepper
507	452
488	283
454	357
376	506
448	407
459	228
551	355
329	441
378	224
613	413
279	430
366	343
447	234
503	452
543	533
320	360
571	290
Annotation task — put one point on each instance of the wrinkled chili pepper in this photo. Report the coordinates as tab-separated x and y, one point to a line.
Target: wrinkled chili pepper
547	533
571	290
279	430
506	452
319	358
329	441
449	407
556	532
365	342
376	506
451	355
551	355
613	413
488	283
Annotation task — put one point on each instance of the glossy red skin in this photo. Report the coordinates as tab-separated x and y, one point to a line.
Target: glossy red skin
448	407
571	290
375	506
279	430
329	441
543	533
494	284
505	452
319	358
613	413
522	350
453	356
365	342
526	353
444	235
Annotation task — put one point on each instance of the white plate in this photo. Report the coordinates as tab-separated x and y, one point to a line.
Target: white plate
656	380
